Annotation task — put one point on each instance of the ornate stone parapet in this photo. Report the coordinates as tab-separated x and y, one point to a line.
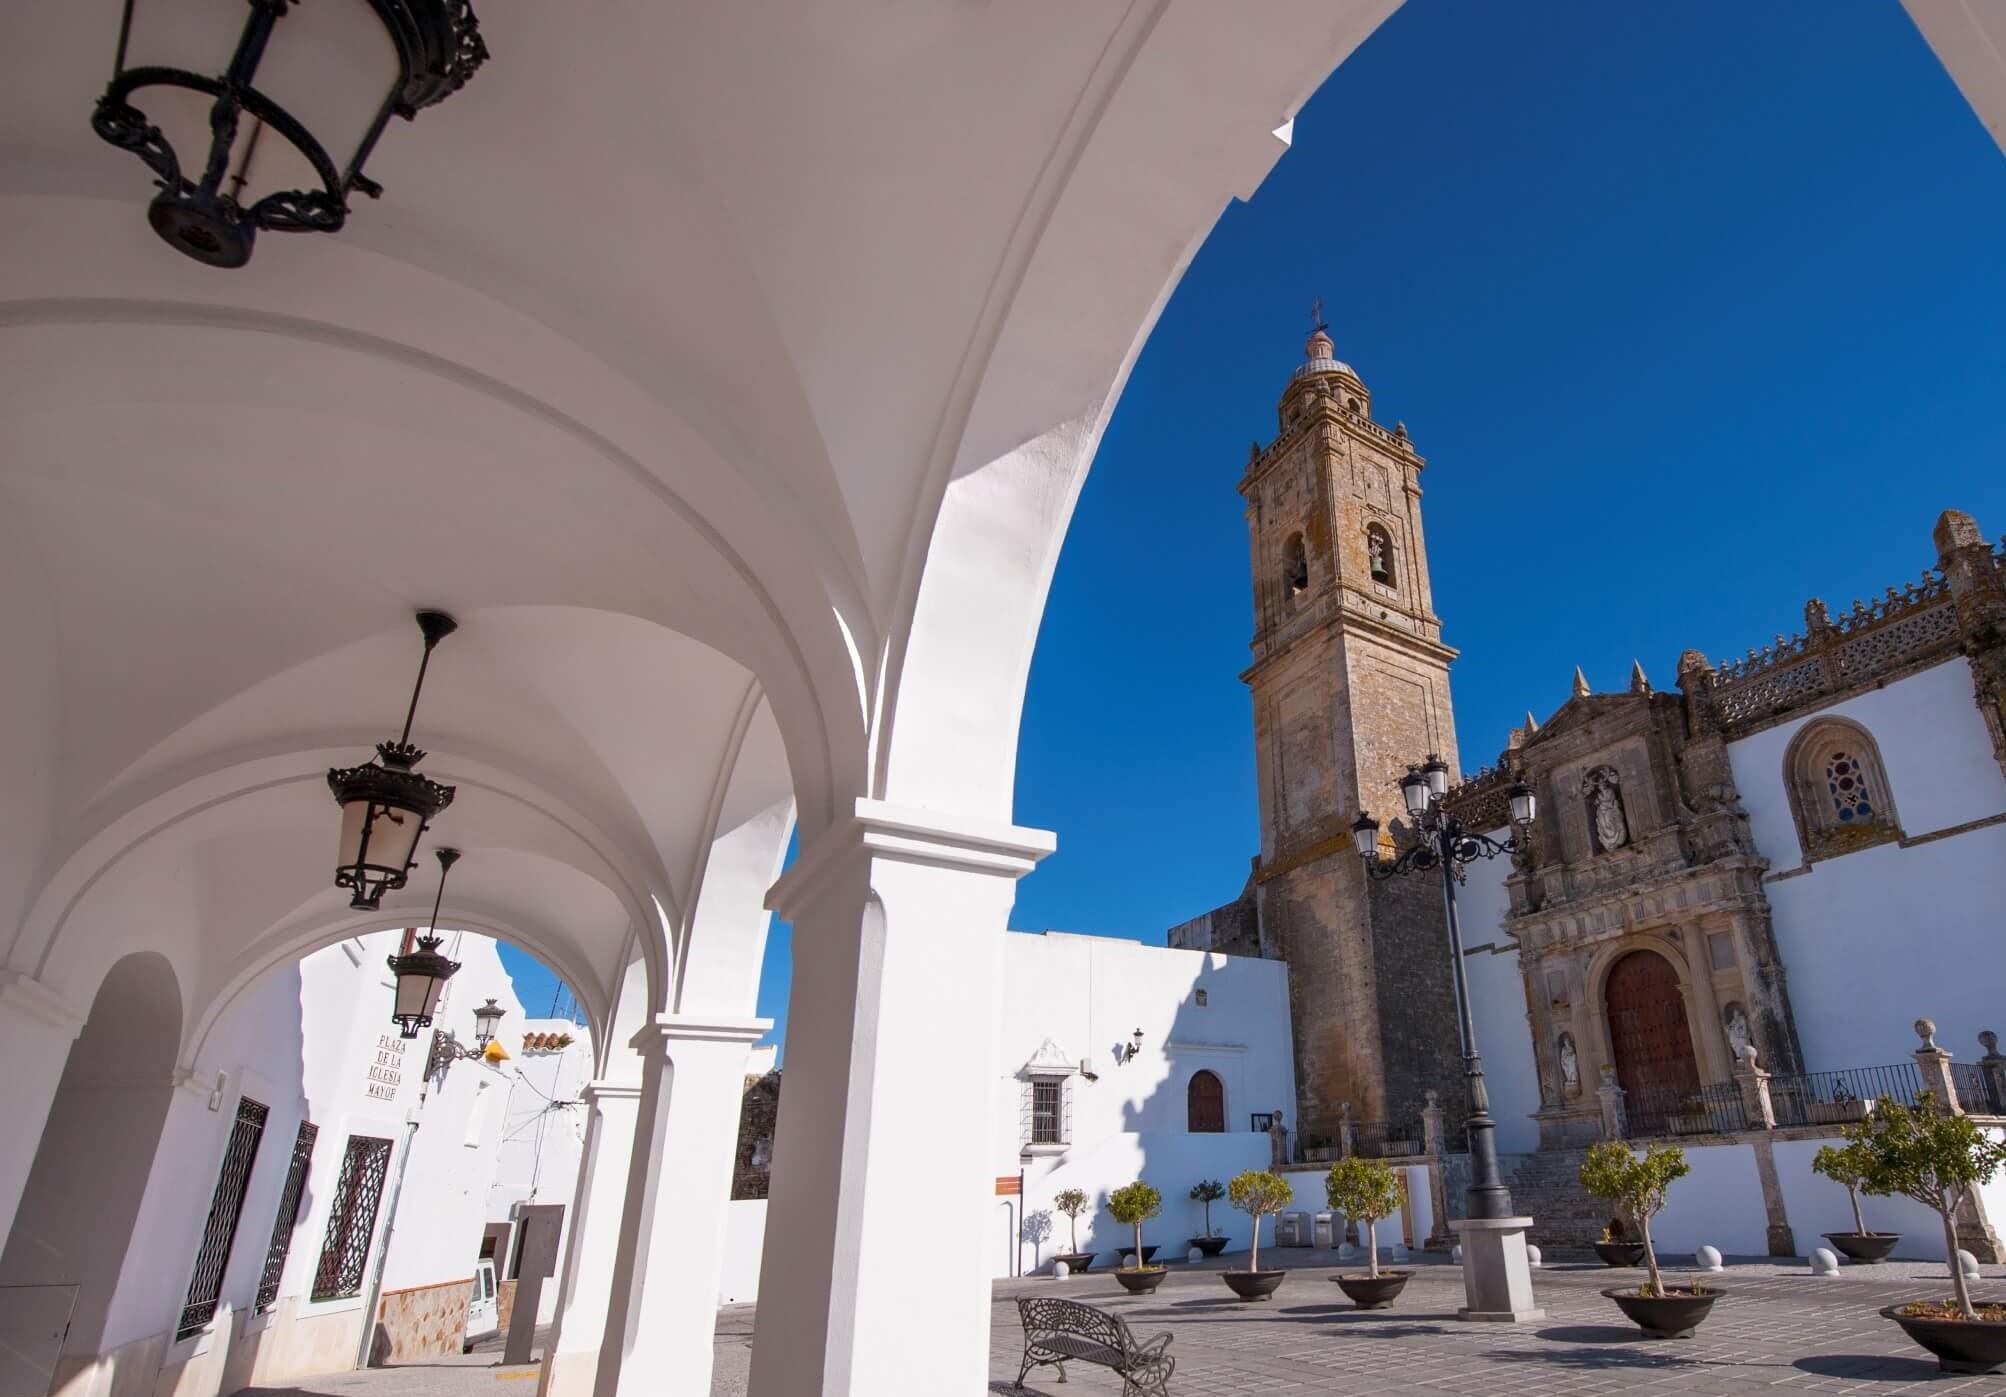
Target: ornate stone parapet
1933	1064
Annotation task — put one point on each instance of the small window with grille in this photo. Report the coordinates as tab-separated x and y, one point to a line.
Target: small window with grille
226	1206
288	1216
1047	1105
351	1218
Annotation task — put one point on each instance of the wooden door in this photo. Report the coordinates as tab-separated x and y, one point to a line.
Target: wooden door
1205	1102
1650	1038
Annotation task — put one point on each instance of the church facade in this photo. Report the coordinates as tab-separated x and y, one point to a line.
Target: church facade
1780	861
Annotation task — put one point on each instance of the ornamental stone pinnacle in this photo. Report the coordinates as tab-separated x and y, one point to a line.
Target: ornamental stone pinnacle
1580	683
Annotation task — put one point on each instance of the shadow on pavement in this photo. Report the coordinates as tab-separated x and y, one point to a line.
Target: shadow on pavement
1880	1367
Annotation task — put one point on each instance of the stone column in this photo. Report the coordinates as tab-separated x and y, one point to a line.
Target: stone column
661	1318
1614	1125
1347	1133
573	1360
1782	1242
1438	1183
1993	1065
1933	1064
1754	1083
888	1108
37	1028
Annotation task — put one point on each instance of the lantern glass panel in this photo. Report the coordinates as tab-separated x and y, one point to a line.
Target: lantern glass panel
1438	778
1414	790
1366	839
417	995
1523	805
331	64
393	839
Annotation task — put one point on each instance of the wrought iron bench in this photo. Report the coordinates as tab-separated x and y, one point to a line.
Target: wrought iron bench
1065	1331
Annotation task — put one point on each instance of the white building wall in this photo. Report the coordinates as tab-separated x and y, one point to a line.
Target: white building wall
1497	1006
1919	921
542	1140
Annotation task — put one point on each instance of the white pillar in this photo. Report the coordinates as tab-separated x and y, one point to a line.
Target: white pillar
573	1361
661	1318
37	1028
886	1115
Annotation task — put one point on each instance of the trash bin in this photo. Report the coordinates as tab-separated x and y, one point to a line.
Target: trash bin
1292	1230
1329	1232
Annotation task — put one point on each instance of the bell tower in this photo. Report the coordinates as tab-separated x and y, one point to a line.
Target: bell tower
1350	682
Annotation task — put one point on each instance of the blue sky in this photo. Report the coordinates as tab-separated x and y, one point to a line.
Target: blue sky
1695	311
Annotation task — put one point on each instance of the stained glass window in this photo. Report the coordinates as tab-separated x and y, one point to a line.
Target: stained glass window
1846	781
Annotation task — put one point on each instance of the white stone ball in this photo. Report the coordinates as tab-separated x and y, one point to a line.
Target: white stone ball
1060	1270
1128	1259
1456	1255
1824	1262
1968	1263
1194	1255
1531	1255
1707	1259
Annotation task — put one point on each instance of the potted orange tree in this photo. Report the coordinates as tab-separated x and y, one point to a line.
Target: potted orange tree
1846	1165
1364	1190
1257	1193
1208	1192
1132	1205
1072	1202
1637	1185
1934	1159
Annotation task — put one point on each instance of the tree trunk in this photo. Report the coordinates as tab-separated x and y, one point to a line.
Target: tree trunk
1958	1283
1208	1217
1138	1246
1657	1282
1255	1264
1859	1222
1372	1247
1073	1230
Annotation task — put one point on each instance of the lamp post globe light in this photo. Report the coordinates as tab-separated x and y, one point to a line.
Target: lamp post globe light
422	973
261	114
486	1019
386	806
1495	1269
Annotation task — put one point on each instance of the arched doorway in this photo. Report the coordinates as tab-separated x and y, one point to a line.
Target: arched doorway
1649	1038
1205	1104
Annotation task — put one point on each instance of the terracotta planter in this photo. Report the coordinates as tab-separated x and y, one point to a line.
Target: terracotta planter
1671	1316
1076	1261
1960	1345
1864	1248
1373	1292
1254	1285
1211	1246
1620	1253
1142	1280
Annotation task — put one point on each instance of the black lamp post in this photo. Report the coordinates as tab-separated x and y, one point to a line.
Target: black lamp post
288	101
386	806
1446	845
422	974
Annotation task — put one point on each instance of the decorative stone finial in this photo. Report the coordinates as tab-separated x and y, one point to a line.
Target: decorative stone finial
1816	617
1531	723
1319	346
1400	430
1925	1029
1956	529
1344	1108
1580	683
1432	1099
1638	683
1693	662
1253	452
1989	1041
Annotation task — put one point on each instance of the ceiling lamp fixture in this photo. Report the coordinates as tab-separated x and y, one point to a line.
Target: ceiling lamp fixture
385	805
258	137
422	973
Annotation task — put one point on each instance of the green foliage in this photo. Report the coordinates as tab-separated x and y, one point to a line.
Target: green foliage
1134	1204
1636	1184
1070	1201
1931	1158
1364	1189
1846	1165
1208	1192
1258	1193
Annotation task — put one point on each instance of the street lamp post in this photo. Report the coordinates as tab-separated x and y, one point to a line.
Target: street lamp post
1495	1267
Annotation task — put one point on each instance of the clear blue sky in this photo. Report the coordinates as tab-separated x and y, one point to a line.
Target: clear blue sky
1695	311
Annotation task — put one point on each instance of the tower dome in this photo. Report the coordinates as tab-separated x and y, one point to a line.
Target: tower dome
1322	373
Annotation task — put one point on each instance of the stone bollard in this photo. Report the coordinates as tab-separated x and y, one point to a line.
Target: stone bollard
1456	1255
1968	1264
1060	1270
1824	1262
1194	1255
1707	1259
1532	1257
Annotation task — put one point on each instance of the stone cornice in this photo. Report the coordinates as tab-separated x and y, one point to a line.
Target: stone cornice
700	1028
1340	620
38	1001
906	834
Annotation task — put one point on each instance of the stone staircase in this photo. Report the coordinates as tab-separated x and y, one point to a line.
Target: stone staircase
1565	1216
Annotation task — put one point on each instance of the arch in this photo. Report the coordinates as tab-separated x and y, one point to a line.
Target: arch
1379	560
1295	568
1838	789
1205	1104
1650	1036
80	1206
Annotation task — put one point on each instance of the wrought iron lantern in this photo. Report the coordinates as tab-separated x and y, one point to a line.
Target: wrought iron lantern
277	139
422	973
386	806
1365	835
1524	805
485	1019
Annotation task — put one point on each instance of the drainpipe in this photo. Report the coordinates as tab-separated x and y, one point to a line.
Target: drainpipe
389	1229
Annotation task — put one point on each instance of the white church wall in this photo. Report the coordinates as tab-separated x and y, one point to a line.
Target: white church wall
1815	1205
1497	1006
542	1140
1719	1204
1902	918
745	1238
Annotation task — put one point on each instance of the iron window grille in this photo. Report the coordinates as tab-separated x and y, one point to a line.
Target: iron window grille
351	1219
1048	1110
288	1217
226	1206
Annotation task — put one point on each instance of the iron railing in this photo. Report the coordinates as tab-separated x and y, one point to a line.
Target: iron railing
1978	1090
226	1206
1709	1110
1836	1098
287	1218
351	1219
1386	1139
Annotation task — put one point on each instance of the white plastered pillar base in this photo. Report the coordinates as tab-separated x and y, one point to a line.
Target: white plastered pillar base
573	1362
886	1112
1497	1273
37	1028
661	1316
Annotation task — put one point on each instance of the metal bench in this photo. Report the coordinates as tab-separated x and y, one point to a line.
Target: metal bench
1064	1331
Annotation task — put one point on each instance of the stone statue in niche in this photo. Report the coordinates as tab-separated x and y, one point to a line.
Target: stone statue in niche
1605	811
1570	1066
1735	1020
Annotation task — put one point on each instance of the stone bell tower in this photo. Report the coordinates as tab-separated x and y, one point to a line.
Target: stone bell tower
1350	682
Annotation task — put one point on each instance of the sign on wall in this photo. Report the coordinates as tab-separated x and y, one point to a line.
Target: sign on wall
386	1068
